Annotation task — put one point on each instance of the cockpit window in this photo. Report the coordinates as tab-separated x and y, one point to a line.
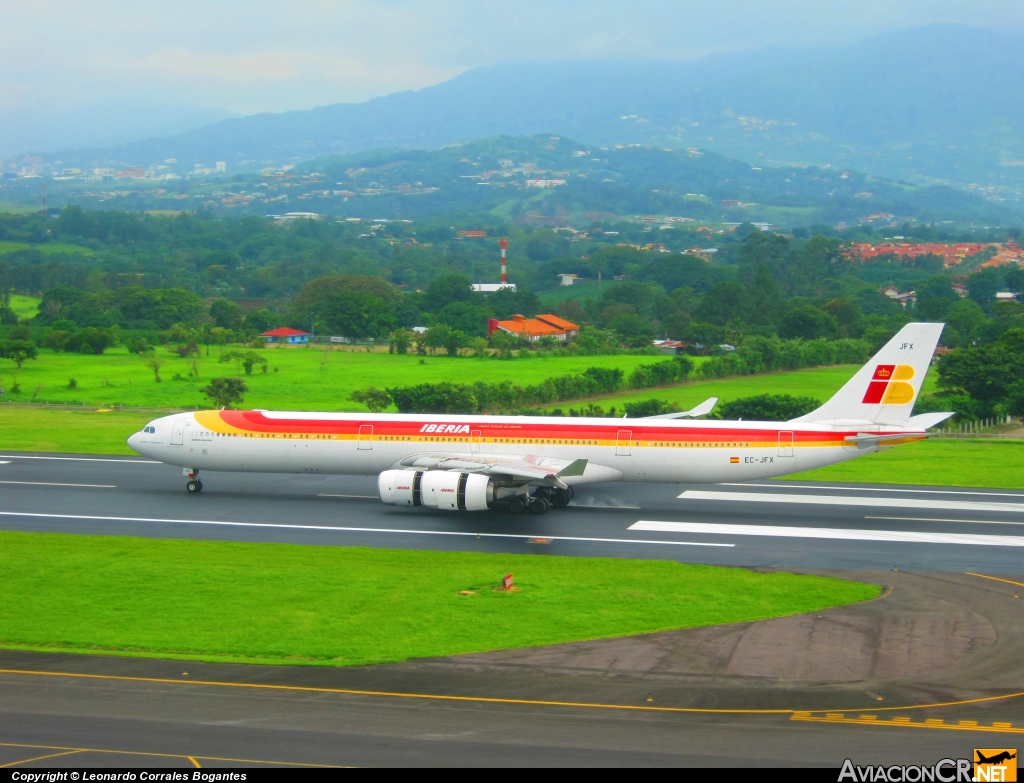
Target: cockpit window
149	429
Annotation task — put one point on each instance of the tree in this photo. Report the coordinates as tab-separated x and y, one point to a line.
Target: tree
504	342
455	340
154	363
244	360
767	407
373	398
18	351
465	317
632	330
350	305
219	336
934	298
226	315
401	341
807	322
225	392
447	289
479	346
437	337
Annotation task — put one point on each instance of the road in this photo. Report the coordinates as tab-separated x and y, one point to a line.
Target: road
938	636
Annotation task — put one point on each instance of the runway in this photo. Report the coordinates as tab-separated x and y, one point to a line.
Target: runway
928	671
800	525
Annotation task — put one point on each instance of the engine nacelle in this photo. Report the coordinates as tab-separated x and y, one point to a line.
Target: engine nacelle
400	487
441	489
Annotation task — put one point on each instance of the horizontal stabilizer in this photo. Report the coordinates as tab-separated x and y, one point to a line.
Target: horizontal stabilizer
701	410
867	440
925	421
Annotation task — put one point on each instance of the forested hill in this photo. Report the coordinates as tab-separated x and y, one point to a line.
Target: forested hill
544	179
937	102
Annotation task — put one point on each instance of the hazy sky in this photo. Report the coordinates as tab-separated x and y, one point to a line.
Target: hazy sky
271	56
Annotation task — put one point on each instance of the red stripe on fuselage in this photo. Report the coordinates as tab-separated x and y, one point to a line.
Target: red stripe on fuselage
256	422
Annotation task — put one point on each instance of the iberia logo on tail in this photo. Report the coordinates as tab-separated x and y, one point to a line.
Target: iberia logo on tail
889	385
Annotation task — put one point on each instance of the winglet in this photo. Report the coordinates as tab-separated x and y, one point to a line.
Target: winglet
574	468
704	408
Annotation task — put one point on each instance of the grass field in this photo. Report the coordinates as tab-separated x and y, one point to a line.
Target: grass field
305	379
46	249
25	306
339	606
85	432
958	463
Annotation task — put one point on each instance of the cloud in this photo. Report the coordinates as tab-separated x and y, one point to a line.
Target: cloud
270	55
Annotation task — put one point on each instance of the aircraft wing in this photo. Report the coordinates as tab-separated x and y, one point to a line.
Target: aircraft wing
705	407
549	470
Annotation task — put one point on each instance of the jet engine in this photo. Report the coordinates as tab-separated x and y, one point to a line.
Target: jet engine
443	489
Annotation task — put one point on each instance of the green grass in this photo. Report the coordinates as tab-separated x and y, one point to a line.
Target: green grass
78	432
340	606
25	306
118	377
951	463
48	248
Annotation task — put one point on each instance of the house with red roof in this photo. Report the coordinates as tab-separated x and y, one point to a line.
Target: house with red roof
286	334
544	325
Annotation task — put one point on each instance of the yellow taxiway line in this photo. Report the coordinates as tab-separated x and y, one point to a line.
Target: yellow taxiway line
930	723
66	751
489	699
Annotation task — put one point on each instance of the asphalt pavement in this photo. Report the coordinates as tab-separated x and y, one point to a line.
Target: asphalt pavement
927	671
775	524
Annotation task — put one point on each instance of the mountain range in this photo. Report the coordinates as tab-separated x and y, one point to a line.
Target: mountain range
936	104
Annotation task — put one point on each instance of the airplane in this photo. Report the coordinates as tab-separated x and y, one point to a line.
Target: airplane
533	463
996	759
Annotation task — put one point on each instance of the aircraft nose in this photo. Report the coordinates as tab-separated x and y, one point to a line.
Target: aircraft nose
133	441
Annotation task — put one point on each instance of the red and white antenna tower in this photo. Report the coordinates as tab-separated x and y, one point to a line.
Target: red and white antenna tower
504	268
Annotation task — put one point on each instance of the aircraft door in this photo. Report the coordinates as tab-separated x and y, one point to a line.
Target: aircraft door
785	444
474	441
365	440
178	433
622	443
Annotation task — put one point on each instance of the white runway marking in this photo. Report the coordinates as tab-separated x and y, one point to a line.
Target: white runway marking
362	497
5	462
86	459
890	536
880	489
840	500
355	529
937	519
55	484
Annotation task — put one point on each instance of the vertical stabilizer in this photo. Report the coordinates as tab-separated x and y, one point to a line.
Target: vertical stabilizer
885	389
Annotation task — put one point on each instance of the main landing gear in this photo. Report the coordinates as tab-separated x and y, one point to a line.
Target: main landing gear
194	485
540	501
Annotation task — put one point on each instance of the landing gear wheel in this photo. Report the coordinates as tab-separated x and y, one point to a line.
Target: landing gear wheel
516	506
539	506
561	499
195	485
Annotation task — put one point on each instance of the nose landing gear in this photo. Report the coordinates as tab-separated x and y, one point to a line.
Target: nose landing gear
194	484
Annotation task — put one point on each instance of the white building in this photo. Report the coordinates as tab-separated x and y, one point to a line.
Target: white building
490	288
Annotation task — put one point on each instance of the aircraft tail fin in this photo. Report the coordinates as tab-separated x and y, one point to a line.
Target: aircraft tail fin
885	389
